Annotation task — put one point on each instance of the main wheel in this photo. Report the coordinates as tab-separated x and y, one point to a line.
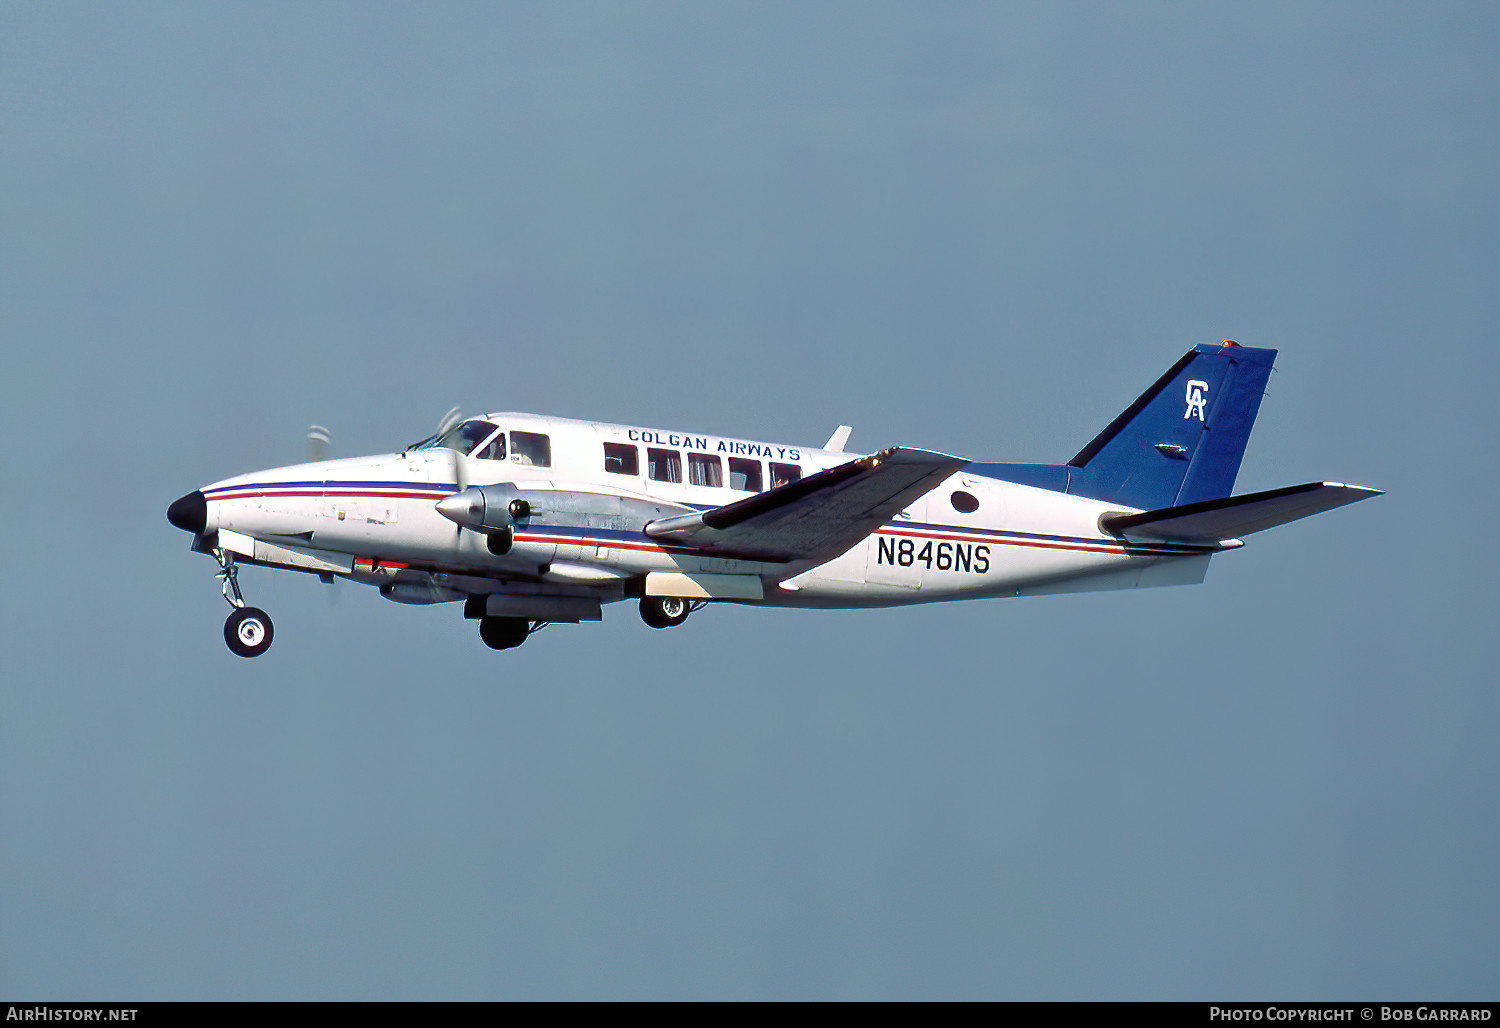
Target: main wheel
248	631
664	611
503	633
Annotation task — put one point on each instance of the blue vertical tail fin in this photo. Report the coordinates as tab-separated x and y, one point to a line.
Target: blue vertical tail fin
1183	439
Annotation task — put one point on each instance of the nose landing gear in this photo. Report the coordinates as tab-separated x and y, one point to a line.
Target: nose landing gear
248	631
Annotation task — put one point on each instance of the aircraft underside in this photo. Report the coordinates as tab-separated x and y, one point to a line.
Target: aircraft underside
572	582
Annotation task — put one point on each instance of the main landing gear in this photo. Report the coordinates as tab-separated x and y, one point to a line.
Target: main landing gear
501	633
666	611
248	631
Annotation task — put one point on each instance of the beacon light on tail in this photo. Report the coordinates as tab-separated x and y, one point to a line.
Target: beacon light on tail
527	520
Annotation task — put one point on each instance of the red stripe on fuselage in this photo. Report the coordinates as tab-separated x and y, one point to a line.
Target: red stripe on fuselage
1000	541
341	493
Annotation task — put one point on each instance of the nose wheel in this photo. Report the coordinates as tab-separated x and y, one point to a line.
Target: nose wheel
248	630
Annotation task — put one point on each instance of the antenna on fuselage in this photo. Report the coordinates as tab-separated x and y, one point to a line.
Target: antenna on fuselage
839	439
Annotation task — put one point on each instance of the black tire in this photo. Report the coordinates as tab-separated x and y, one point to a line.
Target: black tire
664	611
248	632
503	633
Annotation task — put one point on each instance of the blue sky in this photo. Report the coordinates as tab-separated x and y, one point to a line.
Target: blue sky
982	228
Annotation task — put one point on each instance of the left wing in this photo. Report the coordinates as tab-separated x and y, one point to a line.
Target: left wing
815	518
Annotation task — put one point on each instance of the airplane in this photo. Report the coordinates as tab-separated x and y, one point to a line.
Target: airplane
530	520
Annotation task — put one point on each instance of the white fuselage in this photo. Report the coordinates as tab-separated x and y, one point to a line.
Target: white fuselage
374	519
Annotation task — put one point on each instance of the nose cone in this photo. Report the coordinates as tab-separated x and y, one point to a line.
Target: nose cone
464	508
189	513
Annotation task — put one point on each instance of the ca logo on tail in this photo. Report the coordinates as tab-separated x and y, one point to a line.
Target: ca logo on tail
1197	399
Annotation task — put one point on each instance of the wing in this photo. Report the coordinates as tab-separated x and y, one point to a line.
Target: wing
818	517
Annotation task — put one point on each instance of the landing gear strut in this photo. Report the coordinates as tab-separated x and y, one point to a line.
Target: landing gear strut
665	611
248	631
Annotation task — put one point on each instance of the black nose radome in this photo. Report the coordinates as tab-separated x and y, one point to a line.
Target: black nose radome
189	513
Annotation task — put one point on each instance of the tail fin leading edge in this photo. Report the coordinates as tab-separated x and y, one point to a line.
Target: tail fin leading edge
1182	440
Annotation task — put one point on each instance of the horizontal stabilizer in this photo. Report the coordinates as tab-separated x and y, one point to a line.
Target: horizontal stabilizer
1235	516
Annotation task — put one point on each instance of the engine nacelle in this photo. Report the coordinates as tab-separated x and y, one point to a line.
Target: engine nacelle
496	510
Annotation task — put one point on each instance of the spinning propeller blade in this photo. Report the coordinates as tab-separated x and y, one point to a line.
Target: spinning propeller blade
318	438
460	476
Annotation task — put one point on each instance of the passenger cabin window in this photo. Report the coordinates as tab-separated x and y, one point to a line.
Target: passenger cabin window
531	448
784	474
705	469
621	459
744	474
663	465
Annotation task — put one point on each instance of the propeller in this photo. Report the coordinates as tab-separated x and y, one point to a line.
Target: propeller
318	439
335	589
463	483
460	475
456	465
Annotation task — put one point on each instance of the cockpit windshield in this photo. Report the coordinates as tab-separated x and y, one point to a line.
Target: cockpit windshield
463	437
